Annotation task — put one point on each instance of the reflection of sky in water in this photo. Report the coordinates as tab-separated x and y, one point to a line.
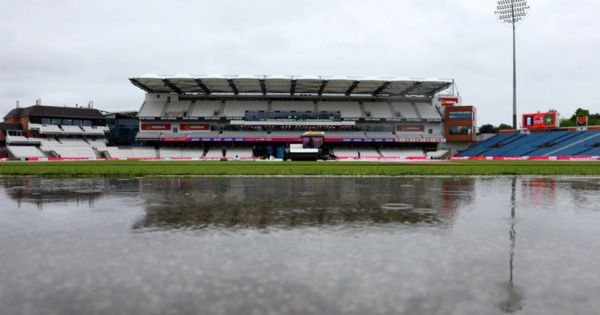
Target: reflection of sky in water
300	245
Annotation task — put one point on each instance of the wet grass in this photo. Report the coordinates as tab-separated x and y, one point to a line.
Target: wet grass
144	168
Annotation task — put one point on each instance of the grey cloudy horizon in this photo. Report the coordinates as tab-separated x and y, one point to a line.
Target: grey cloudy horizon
73	52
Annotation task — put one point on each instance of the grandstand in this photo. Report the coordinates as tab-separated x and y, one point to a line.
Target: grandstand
39	131
542	143
366	117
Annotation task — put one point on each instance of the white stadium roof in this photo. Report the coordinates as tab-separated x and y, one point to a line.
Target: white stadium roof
289	85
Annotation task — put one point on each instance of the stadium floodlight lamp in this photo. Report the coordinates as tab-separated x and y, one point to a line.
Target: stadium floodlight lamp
513	11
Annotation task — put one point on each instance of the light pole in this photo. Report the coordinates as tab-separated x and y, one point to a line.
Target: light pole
513	11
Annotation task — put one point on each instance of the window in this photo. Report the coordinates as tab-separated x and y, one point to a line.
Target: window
87	123
76	122
46	121
67	122
460	130
460	115
56	121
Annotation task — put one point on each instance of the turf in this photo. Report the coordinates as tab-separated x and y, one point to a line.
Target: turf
143	168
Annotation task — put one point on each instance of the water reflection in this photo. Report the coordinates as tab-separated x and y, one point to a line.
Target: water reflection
81	191
271	245
259	202
298	202
513	301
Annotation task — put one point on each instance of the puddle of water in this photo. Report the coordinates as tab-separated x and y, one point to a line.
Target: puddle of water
300	245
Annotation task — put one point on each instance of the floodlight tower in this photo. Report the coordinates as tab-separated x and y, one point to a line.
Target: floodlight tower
513	11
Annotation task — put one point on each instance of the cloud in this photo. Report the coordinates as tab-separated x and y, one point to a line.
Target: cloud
68	52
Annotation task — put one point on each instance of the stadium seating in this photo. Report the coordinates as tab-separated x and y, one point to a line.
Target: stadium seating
237	109
21	139
23	152
205	109
192	152
50	129
378	110
181	152
170	152
346	152
405	110
125	153
439	154
70	148
152	107
177	108
348	110
98	144
72	130
427	111
292	106
558	143
241	153
368	153
143	152
94	131
118	153
393	152
582	146
214	154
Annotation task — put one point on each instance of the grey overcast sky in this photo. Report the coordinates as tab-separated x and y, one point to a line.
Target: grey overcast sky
71	52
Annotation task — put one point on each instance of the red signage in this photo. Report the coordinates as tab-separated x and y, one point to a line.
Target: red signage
195	127
160	127
540	120
582	120
413	128
449	101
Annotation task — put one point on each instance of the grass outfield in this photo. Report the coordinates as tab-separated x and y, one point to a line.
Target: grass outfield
141	168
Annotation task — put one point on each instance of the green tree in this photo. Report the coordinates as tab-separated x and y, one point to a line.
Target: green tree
505	127
488	128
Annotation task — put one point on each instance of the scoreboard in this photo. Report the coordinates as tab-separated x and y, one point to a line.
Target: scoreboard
540	120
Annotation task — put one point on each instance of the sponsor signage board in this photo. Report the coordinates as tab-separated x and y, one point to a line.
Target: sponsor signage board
161	127
540	120
410	128
449	101
195	127
582	121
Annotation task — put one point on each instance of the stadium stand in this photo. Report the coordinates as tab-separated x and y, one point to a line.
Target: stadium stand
269	113
23	152
401	152
206	109
42	131
297	106
426	111
550	143
240	153
348	110
214	154
153	106
405	110
378	110
439	154
177	108
237	109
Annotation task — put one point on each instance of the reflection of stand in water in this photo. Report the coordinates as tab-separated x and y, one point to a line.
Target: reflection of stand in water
514	297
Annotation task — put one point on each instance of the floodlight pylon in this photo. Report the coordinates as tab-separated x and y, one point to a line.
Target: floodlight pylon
513	11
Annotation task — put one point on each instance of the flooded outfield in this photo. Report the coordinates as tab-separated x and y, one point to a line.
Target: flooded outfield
476	245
